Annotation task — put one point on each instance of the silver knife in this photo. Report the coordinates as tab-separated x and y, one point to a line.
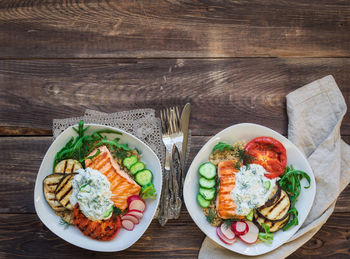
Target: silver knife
184	124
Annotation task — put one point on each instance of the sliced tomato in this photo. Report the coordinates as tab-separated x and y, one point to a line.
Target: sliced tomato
99	229
270	153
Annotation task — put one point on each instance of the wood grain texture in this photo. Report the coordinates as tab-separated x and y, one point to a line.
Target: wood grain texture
23	234
21	159
94	28
33	92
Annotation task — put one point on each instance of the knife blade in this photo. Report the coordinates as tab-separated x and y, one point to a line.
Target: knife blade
184	124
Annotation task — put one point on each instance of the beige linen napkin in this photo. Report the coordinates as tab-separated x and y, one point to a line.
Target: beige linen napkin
315	114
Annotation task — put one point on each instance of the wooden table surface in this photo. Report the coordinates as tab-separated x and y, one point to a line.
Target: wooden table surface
234	61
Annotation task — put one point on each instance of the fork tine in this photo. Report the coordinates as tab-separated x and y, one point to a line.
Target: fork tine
170	129
163	121
177	119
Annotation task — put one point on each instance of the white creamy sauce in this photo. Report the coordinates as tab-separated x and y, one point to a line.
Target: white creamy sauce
252	189
91	189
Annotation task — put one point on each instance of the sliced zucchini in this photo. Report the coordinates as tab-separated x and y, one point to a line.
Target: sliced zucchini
274	225
129	161
207	194
50	184
202	202
144	177
138	166
277	211
67	166
274	196
205	183
207	170
64	191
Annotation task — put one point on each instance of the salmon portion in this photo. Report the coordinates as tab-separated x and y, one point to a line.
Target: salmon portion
122	185
225	205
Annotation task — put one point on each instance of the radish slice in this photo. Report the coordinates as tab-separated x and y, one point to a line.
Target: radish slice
137	205
136	213
227	231
131	217
128	225
223	238
133	198
252	235
240	227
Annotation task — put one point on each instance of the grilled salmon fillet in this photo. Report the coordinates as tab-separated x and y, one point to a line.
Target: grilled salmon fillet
225	205
122	185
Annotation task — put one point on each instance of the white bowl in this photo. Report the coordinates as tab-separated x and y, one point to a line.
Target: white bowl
124	239
248	131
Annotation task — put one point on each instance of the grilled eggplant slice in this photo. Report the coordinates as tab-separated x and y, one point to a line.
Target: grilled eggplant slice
64	191
274	225
66	215
277	211
50	184
67	166
274	196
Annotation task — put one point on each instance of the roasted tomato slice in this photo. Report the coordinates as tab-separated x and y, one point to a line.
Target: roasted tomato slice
100	229
268	152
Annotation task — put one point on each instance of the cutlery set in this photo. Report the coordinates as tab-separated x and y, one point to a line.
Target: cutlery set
175	138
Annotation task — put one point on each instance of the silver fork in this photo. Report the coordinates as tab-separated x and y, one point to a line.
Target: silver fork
163	210
173	140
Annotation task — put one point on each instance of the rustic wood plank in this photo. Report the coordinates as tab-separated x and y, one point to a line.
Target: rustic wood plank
21	159
33	92
66	29
17	232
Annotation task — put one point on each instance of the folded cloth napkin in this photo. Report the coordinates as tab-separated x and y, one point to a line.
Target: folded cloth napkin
315	113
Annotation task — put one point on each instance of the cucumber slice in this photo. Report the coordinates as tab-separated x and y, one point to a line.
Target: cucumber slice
205	183
144	177
207	194
130	161
138	166
250	215
207	170
202	202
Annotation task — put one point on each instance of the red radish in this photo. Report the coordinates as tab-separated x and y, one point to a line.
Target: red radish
223	238
136	213
128	225
133	198
240	227
131	217
227	231
252	235
137	205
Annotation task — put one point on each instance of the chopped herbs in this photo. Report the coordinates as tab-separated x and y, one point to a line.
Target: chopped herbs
290	182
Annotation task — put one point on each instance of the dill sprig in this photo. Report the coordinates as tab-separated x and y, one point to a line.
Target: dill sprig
64	223
211	216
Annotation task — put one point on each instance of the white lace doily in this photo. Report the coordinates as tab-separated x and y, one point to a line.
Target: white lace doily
141	123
